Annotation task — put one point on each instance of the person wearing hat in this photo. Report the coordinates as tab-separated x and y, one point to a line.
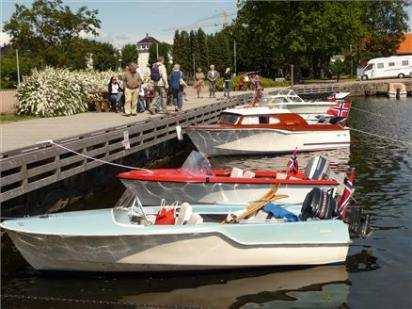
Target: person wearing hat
131	84
212	77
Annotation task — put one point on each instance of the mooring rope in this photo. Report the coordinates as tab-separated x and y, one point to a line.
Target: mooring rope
382	136
368	112
97	159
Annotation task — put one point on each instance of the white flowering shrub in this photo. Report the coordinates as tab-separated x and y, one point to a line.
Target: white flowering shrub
60	92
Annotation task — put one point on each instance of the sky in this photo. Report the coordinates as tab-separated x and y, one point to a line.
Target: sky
125	22
128	21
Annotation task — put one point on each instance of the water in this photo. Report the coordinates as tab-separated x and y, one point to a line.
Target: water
378	272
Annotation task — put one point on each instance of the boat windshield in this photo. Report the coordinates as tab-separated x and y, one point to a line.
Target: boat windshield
196	163
227	118
296	99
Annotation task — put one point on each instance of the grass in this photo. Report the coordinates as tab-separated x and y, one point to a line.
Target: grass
14	118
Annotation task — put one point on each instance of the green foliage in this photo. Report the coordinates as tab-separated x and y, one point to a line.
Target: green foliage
105	56
197	50
272	35
337	67
164	49
129	54
8	67
50	33
60	92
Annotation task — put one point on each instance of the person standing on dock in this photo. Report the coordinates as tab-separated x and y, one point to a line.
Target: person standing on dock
177	85
158	75
212	77
200	81
131	84
228	79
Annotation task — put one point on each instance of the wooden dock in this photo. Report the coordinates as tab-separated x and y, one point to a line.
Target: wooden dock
35	166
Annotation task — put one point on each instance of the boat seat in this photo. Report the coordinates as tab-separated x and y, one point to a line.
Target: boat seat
236	173
187	216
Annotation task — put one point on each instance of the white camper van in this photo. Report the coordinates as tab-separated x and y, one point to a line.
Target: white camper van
388	67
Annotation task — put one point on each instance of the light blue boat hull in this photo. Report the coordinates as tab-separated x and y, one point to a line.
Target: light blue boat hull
104	240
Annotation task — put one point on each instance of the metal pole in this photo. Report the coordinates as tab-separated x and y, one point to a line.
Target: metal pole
351	61
157	51
234	57
18	67
291	75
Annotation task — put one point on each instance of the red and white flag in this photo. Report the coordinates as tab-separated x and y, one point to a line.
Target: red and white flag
341	109
293	166
347	193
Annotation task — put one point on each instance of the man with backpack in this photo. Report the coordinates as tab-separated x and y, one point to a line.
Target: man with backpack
158	75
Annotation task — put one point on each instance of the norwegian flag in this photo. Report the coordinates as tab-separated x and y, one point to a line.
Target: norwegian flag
293	166
341	109
347	193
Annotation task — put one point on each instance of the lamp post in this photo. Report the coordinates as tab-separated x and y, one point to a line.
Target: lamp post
18	67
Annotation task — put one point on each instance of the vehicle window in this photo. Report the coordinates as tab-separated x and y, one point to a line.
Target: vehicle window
263	119
274	120
391	64
368	67
229	118
379	65
250	120
405	62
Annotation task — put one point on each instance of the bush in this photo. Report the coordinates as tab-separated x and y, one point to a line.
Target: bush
60	92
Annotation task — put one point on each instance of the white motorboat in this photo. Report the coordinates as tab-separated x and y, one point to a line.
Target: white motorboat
266	130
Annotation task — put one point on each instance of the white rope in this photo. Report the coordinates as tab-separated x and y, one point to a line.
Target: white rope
96	159
368	112
381	136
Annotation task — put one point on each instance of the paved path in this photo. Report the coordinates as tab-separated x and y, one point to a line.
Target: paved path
21	134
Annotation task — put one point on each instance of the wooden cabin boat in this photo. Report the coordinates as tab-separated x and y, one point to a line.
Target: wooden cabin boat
264	130
196	182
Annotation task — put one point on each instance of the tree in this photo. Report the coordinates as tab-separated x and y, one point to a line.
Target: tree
105	56
337	67
272	35
129	54
202	59
48	29
164	50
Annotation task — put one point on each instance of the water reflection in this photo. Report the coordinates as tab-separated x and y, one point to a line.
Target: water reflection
327	286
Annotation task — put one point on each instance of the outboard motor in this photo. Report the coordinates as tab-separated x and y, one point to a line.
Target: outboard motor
317	168
319	204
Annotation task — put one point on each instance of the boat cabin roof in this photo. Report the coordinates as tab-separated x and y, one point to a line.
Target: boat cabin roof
260	110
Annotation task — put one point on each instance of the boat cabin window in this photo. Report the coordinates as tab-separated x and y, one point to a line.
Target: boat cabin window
250	120
405	62
263	119
379	65
279	100
391	64
274	120
227	118
369	67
